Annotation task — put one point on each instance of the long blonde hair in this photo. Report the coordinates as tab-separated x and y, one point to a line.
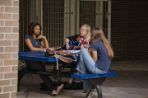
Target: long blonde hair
88	29
98	34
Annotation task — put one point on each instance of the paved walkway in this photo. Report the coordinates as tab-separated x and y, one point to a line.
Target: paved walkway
132	82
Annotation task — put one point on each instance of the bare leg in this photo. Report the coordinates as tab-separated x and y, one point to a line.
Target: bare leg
56	91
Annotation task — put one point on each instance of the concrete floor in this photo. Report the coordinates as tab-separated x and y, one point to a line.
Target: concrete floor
132	82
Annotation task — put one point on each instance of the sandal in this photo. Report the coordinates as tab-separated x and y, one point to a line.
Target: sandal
89	94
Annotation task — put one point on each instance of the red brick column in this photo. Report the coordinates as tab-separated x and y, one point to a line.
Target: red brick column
9	38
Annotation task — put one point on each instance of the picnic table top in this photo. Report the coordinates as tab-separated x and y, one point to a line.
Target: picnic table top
36	56
40	56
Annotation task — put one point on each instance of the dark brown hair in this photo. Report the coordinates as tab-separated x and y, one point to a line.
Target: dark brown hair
32	26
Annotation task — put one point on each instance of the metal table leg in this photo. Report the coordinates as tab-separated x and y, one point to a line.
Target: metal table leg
99	91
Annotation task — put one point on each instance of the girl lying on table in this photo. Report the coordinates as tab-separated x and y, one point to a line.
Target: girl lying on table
100	59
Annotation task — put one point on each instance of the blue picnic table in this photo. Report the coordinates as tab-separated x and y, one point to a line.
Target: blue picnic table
36	56
96	79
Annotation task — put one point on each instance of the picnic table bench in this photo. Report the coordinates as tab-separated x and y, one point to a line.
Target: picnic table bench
95	79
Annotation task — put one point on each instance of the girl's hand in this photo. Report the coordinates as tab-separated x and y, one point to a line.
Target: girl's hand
81	40
41	37
67	43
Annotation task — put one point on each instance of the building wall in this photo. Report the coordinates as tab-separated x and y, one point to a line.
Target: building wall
9	26
130	29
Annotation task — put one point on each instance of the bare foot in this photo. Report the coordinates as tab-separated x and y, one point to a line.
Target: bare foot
59	88
54	93
70	81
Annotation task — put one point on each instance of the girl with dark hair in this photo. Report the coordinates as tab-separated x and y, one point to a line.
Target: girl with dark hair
35	41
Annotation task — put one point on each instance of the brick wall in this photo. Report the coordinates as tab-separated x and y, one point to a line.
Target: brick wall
9	20
130	29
